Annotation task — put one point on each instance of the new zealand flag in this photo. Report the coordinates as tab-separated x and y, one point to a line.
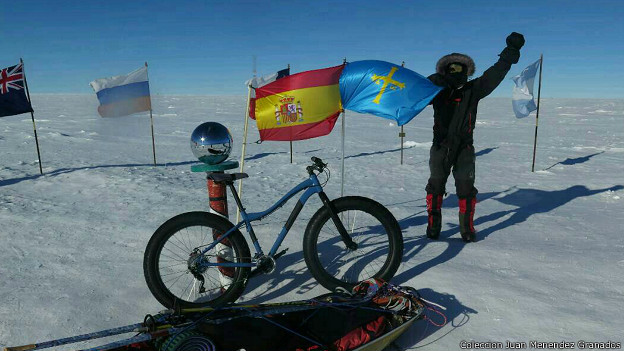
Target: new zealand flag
13	99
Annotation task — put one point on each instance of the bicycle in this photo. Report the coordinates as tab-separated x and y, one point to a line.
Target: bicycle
199	259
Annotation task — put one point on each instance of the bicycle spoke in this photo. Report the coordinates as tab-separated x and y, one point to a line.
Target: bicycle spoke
178	272
353	265
187	286
177	258
181	240
188	238
204	237
181	249
331	235
337	259
194	288
173	265
353	222
176	280
215	280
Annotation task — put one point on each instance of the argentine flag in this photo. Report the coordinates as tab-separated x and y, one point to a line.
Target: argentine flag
523	101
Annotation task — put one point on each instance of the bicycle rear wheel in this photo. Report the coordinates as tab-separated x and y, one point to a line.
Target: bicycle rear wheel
371	226
172	264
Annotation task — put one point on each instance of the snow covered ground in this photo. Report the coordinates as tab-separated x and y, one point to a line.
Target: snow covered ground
548	265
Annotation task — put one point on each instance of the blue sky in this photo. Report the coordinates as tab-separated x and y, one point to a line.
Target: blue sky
207	47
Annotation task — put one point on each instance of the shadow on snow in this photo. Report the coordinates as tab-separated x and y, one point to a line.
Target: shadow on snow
527	202
69	170
262	155
479	153
574	161
265	154
485	151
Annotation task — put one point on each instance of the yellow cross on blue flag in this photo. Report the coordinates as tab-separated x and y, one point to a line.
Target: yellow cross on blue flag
385	90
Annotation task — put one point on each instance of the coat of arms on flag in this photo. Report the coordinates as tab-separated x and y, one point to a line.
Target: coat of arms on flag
287	111
13	100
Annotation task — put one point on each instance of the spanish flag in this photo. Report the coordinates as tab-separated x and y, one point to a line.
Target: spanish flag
301	106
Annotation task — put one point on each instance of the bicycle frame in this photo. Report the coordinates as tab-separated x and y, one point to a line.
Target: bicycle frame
311	187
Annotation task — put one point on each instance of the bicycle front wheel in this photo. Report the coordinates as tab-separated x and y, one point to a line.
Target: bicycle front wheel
178	275
371	226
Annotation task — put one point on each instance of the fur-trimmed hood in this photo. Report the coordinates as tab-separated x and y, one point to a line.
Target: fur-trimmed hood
455	57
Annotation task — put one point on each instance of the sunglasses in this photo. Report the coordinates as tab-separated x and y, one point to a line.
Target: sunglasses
455	68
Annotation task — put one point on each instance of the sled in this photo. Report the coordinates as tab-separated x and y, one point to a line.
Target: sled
368	319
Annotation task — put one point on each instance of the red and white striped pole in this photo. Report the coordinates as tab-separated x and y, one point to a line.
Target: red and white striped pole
217	193
217	196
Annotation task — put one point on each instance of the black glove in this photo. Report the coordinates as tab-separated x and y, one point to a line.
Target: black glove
511	53
515	40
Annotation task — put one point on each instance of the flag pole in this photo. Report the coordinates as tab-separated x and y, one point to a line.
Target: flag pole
32	115
245	130
291	149
151	122
242	159
402	133
342	167
539	90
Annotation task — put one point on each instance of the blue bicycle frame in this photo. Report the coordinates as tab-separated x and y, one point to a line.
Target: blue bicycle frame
311	187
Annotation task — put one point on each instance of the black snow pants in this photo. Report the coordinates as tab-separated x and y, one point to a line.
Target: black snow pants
463	167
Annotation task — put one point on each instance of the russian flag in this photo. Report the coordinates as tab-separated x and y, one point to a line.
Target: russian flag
123	95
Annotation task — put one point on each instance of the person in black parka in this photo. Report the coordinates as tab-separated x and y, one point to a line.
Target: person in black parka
454	115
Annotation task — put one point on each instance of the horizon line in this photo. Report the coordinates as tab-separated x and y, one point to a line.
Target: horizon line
244	95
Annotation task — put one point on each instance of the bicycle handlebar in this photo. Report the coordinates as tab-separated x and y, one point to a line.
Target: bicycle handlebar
318	165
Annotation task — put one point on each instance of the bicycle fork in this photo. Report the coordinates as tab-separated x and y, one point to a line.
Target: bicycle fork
346	238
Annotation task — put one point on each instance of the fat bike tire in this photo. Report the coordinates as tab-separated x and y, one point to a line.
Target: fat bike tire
167	258
371	226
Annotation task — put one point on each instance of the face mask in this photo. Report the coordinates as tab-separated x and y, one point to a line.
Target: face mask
456	80
456	75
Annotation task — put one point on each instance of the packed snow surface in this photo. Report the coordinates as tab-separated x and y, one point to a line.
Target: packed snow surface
548	265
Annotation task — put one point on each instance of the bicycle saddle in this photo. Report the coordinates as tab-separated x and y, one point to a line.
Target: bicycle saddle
227	177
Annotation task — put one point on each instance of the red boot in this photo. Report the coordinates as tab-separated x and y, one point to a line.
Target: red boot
434	211
466	219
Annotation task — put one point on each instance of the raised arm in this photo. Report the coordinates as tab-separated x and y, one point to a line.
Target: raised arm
494	75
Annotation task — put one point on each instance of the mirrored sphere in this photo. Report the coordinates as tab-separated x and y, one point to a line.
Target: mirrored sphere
211	143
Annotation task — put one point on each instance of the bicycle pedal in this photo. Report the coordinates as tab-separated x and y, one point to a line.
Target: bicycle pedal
280	254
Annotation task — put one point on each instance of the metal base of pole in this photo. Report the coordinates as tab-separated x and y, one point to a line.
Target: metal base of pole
219	167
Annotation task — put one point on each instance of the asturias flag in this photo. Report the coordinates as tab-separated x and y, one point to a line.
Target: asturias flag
13	100
522	95
301	106
385	90
123	95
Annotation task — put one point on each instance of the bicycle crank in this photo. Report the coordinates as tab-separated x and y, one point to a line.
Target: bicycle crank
266	264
